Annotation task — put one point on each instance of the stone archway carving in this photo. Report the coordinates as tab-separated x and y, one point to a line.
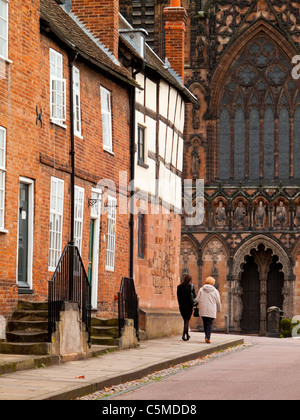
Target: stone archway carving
254	243
239	260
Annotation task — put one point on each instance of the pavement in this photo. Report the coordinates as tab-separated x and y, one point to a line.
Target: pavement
43	378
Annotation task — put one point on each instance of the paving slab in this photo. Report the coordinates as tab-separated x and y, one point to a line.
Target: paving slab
74	379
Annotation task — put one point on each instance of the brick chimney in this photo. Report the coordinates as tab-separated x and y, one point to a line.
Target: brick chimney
175	27
101	18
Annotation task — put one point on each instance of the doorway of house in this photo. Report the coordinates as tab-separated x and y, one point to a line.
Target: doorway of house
94	244
25	235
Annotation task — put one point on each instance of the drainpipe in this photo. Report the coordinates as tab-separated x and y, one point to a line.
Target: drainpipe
132	174
72	55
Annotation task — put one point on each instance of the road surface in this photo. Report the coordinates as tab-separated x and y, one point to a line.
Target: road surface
266	370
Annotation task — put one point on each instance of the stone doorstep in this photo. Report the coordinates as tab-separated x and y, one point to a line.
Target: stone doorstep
14	363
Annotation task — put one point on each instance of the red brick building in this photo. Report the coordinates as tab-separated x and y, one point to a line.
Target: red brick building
44	45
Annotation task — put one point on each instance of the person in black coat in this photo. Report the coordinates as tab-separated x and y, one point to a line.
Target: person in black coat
184	292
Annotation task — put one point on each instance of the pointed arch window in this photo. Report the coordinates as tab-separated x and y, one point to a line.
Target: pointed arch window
259	117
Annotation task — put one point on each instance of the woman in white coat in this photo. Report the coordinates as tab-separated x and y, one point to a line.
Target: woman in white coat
209	305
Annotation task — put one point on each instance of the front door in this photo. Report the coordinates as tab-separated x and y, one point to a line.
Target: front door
91	252
94	244
23	236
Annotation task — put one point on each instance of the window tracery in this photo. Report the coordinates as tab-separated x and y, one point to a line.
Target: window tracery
259	117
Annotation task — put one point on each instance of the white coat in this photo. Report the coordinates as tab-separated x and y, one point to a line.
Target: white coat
209	301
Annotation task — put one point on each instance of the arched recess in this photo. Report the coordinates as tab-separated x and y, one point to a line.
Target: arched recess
254	243
272	248
215	256
189	258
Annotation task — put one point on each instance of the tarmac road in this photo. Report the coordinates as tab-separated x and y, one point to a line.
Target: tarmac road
267	370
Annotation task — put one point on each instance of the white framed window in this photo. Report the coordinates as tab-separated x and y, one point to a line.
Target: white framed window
4	28
2	176
106	119
111	233
76	102
57	89
78	217
56	221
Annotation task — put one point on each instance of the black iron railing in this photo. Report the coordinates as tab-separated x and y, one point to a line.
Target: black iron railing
128	304
69	284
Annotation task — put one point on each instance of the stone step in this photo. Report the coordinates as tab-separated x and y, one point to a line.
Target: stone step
20	325
24	348
104	331
27	336
30	315
104	341
32	305
98	322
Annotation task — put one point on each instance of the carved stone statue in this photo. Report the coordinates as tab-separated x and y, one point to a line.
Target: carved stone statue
280	215
220	215
260	215
297	217
240	215
196	161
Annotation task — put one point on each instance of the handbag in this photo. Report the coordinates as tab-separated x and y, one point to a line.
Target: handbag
193	300
196	312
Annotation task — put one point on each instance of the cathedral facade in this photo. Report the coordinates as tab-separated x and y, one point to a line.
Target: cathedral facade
243	140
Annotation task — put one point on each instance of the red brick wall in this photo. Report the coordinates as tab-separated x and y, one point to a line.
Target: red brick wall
19	93
92	165
39	153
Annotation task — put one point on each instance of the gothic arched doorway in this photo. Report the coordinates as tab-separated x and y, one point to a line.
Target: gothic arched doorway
263	257
262	286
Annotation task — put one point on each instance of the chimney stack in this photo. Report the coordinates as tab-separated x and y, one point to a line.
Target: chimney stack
175	27
101	18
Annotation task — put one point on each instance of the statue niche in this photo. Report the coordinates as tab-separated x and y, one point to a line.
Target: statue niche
240	215
195	162
260	215
280	215
297	217
220	215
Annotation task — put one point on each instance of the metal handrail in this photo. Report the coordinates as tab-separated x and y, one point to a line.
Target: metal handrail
128	304
69	284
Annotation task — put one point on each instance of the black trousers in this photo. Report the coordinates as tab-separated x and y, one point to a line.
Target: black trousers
207	324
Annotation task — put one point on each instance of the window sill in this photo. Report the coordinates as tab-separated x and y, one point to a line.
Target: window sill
25	291
56	122
109	151
4	231
7	60
80	136
143	164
